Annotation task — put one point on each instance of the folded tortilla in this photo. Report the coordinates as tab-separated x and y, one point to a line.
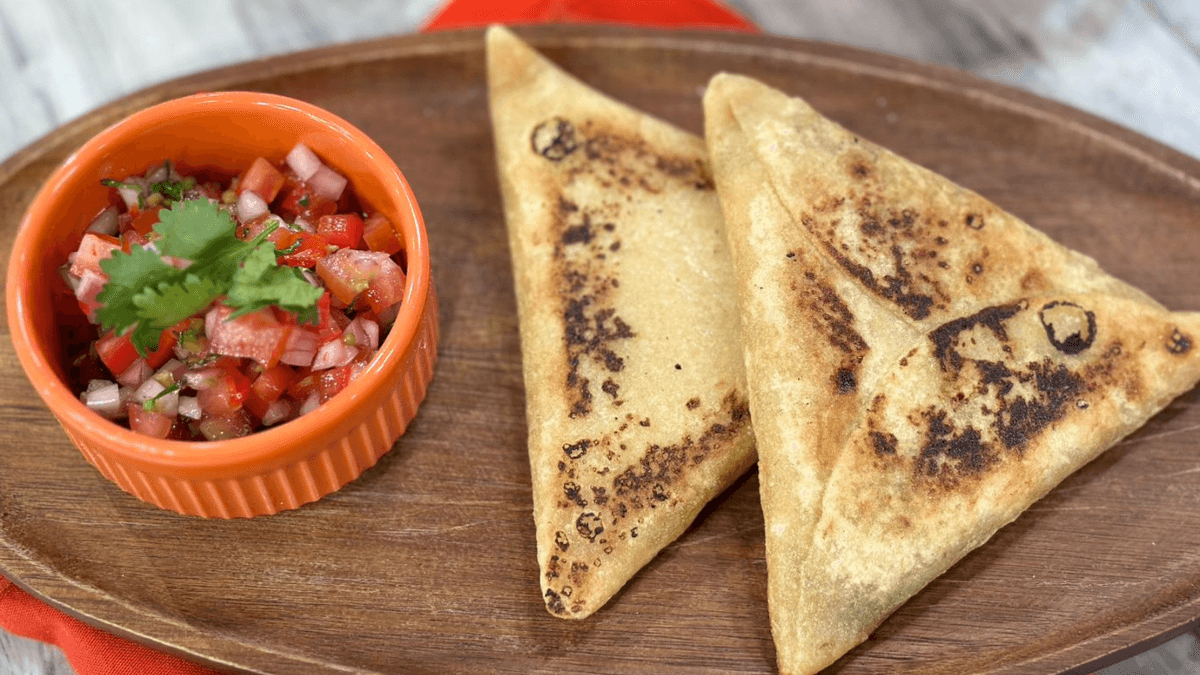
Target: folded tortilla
635	390
922	365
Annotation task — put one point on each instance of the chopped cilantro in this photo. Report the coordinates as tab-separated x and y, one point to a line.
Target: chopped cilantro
145	291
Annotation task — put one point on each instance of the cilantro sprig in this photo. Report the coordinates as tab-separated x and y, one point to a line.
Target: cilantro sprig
171	190
147	293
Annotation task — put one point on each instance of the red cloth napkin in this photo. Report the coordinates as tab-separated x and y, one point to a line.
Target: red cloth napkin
92	651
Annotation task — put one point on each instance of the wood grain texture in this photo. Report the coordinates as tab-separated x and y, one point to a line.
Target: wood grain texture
426	563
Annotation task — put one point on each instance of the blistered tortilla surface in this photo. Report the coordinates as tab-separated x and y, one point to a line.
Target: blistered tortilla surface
636	398
922	365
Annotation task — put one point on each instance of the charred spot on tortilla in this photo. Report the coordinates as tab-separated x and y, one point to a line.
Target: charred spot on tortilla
831	317
974	221
561	541
614	159
1069	327
580	233
897	285
554	603
945	337
577	449
1022	418
589	525
1179	343
949	453
846	381
572	491
646	481
554	139
884	443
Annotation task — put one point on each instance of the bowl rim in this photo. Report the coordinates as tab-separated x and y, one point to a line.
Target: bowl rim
268	447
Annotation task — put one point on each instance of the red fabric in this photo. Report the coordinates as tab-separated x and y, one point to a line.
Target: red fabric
659	13
92	651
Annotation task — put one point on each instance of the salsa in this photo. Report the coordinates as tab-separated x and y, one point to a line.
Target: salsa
221	307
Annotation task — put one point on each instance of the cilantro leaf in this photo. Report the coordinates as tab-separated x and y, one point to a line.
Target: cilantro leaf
189	227
128	274
147	293
166	303
261	282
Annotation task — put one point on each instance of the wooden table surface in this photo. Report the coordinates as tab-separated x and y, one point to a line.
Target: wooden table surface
1135	62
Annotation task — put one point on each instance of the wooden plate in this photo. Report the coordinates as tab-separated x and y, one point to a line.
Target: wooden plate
426	563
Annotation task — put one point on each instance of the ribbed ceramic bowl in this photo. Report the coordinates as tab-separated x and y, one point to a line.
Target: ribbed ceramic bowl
268	471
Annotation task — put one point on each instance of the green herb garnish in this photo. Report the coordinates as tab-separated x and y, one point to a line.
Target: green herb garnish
150	404
146	292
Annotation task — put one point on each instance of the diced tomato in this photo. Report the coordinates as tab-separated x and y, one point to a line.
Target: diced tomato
267	389
249	230
154	424
332	381
182	430
257	335
166	344
300	200
220	427
349	273
93	249
88	292
144	221
387	288
263	179
221	391
116	351
305	384
379	235
344	230
131	238
309	248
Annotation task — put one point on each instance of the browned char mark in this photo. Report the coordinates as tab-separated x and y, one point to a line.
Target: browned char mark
831	317
587	245
607	510
1004	404
896	251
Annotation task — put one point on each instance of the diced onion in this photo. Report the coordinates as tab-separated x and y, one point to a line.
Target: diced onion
277	412
90	285
173	369
158	173
73	281
250	206
189	407
105	222
304	225
310	404
300	349
136	373
167	404
130	196
303	161
327	183
364	332
148	390
212	320
104	398
334	354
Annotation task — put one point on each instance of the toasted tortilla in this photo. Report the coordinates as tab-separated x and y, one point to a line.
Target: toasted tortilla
922	365
635	390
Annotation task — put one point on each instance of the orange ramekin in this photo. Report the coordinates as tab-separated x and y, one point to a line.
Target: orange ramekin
274	469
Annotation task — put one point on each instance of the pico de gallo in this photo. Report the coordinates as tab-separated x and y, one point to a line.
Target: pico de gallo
224	305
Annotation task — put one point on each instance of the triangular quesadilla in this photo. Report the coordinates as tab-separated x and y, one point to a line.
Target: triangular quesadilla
922	365
635	390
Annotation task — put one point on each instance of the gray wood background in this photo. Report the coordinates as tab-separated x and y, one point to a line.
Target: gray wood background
1135	62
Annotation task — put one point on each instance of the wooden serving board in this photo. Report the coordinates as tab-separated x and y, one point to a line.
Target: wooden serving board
426	563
